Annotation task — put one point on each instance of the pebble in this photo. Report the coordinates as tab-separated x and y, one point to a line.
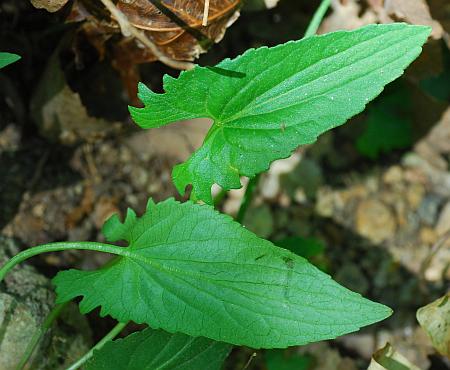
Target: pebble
428	209
393	175
414	195
443	224
375	220
428	235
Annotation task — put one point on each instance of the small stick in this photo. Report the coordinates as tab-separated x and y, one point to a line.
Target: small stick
433	251
205	14
129	30
249	361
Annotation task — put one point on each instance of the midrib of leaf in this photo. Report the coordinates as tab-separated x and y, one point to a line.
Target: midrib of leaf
180	273
246	292
256	80
212	344
175	357
243	111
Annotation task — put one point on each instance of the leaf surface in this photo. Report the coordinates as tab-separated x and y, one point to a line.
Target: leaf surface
280	360
157	350
434	318
7	58
388	126
388	358
192	270
268	101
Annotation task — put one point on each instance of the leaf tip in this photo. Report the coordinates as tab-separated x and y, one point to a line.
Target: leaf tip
379	312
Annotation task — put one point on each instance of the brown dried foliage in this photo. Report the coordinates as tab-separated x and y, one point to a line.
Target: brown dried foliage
177	30
174	26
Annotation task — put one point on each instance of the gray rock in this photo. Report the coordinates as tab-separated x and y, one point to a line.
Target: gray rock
428	209
26	298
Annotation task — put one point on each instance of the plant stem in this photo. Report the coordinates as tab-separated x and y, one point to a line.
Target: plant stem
219	197
38	334
110	336
317	18
61	246
247	199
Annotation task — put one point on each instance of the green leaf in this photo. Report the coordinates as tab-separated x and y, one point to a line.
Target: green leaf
439	86
268	101
280	360
305	247
192	270
388	126
157	350
388	358
434	318
8	58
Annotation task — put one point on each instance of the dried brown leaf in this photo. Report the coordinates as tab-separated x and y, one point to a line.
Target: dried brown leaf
412	11
387	358
177	31
435	319
347	16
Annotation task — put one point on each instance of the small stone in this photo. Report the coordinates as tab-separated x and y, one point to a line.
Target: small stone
414	195
325	202
10	138
284	200
428	235
428	209
139	177
300	196
443	224
363	344
375	221
38	210
393	175
26	298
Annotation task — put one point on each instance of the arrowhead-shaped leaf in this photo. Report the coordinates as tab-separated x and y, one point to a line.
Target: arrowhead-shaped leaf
192	270
7	58
157	350
269	101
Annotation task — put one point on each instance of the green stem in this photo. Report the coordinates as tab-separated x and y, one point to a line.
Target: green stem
53	315
317	18
60	246
247	199
219	197
110	336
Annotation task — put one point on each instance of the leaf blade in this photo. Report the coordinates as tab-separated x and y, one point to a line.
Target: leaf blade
155	349
285	97
7	59
190	269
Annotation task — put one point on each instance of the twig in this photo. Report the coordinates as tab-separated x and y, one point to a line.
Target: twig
129	30
247	198
249	361
205	14
432	253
